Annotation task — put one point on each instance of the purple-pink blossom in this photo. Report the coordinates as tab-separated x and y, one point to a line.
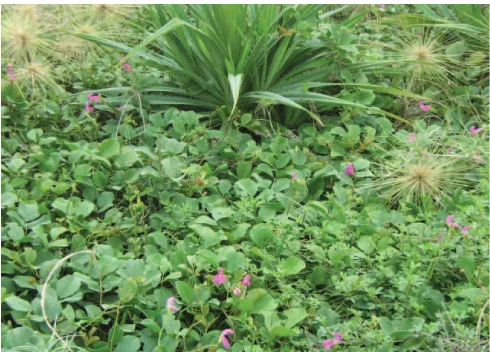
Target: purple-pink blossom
223	339
237	291
424	107
450	222
328	344
411	137
219	278
451	149
88	108
93	97
349	170
246	280
171	305
294	176
465	230
125	65
382	7
474	131
450	219
337	338
10	71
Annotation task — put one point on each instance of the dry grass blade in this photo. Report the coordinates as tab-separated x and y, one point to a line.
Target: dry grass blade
45	287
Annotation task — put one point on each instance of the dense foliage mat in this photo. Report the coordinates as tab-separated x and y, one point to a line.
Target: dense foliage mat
128	227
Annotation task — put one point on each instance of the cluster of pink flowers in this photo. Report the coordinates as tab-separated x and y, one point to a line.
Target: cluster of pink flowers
125	65
337	338
91	97
219	279
10	72
474	131
245	282
450	223
294	176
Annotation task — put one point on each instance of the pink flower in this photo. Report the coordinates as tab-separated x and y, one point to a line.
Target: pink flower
219	278
88	108
338	336
450	219
328	344
451	149
170	304
411	137
237	291
349	170
294	176
382	7
450	222
474	131
10	72
465	231
92	97
124	64
424	107
224	339
246	280
127	67
440	236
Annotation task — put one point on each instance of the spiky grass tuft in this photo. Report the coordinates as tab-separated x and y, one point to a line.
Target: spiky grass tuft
423	55
38	79
423	174
23	37
424	169
41	30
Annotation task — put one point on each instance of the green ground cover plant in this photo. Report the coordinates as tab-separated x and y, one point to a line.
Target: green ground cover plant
246	178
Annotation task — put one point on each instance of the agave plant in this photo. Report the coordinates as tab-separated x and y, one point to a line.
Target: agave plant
226	58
